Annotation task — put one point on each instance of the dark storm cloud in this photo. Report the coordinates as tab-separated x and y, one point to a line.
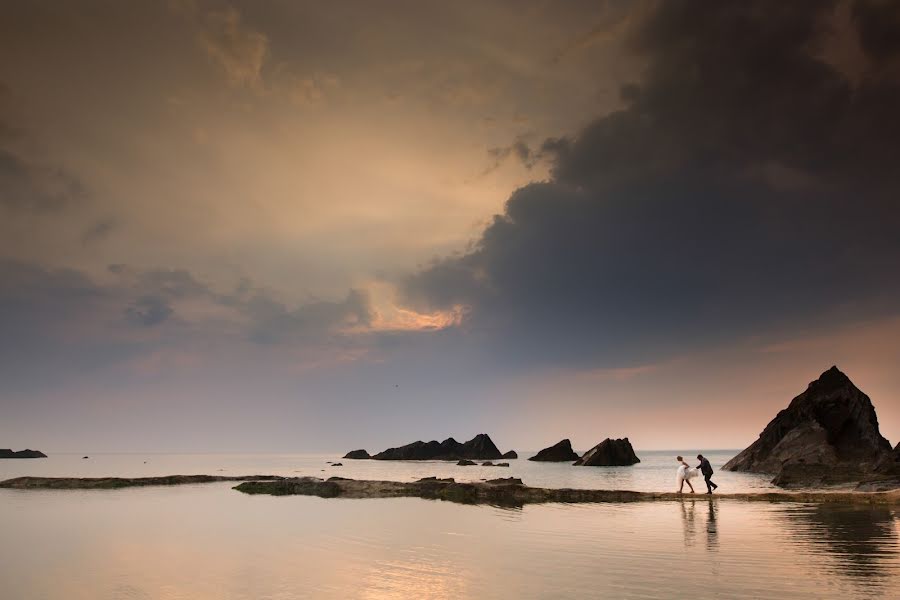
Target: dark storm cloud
746	186
878	24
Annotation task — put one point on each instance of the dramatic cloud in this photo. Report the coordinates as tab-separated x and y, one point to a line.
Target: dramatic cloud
745	188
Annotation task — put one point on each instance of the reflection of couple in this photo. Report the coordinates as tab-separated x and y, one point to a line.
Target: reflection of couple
687	472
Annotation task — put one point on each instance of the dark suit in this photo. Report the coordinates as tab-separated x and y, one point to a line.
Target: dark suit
707	471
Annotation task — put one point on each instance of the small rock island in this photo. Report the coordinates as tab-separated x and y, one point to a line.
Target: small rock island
480	447
27	453
609	453
357	455
561	451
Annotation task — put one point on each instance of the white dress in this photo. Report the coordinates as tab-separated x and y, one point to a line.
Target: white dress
685	472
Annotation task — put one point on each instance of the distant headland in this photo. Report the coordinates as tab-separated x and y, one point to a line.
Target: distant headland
7	453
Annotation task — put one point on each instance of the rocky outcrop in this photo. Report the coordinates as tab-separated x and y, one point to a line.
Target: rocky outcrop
558	452
886	475
106	483
357	455
827	435
511	455
478	448
466	463
512	492
609	453
7	453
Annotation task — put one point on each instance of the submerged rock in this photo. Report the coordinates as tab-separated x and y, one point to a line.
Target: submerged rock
465	463
357	455
827	435
558	452
609	453
481	447
7	453
510	455
337	464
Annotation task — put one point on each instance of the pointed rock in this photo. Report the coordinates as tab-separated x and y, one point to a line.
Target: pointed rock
609	453
827	435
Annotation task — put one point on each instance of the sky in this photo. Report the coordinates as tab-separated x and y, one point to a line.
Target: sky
303	226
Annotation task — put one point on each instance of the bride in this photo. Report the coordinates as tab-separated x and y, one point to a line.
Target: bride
685	474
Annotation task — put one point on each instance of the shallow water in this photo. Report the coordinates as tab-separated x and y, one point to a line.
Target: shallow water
209	541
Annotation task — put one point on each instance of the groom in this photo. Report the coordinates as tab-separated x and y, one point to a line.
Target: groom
707	471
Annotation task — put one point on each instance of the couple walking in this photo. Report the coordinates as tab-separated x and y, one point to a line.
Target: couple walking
686	473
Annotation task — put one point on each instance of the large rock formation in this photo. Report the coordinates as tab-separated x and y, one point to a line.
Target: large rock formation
827	435
357	455
510	455
478	448
609	453
7	453
558	452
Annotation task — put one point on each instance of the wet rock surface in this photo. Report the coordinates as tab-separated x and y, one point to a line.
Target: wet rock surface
512	492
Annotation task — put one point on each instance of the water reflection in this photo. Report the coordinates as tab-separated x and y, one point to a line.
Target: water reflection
712	525
862	540
209	542
689	516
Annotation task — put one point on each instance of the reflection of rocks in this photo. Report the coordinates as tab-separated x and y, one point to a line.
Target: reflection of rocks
609	453
862	539
827	435
558	452
357	455
481	447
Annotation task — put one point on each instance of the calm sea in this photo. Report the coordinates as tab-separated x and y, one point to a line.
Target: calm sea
211	542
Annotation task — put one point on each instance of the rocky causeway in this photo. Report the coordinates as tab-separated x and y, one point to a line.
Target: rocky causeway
509	491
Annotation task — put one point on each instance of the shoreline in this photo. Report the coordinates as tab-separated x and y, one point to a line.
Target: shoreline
501	492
